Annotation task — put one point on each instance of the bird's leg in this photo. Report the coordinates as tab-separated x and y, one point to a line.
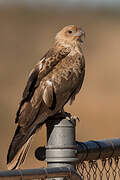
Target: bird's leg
62	110
65	114
68	116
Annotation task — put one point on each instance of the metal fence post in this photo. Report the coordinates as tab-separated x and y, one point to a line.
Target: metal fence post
61	146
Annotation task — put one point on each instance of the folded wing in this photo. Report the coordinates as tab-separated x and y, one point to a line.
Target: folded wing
37	99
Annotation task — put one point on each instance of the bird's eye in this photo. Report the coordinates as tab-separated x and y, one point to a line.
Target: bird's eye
70	31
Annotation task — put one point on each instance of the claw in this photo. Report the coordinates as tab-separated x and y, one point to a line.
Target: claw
76	118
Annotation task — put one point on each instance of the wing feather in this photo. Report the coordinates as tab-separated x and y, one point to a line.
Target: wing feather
28	92
48	94
45	65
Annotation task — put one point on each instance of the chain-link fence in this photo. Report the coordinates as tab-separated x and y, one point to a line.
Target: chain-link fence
105	169
107	163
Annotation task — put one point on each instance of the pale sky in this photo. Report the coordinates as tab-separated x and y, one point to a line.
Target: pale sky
65	3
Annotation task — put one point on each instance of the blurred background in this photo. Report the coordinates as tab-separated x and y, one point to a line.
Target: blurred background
27	30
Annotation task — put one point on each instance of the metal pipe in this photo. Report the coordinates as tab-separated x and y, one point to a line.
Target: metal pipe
61	147
94	150
42	173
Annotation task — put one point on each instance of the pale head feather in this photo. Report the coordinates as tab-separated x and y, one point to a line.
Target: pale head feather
70	36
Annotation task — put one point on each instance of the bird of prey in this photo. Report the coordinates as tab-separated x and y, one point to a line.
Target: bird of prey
54	81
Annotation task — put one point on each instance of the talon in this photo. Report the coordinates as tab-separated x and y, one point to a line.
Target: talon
68	118
76	118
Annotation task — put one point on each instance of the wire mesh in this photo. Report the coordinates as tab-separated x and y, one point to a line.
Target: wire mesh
104	169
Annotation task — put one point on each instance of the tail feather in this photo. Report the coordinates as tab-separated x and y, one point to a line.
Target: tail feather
18	149
25	150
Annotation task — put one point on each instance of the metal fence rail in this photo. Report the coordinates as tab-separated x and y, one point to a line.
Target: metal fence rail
41	173
94	150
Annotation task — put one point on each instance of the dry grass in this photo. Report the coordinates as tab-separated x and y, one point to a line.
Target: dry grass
25	35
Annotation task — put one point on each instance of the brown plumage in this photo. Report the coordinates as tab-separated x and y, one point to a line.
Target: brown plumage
55	80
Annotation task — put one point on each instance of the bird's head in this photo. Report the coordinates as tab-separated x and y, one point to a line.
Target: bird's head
70	35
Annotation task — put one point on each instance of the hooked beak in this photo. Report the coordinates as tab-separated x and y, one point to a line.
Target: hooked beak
80	34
